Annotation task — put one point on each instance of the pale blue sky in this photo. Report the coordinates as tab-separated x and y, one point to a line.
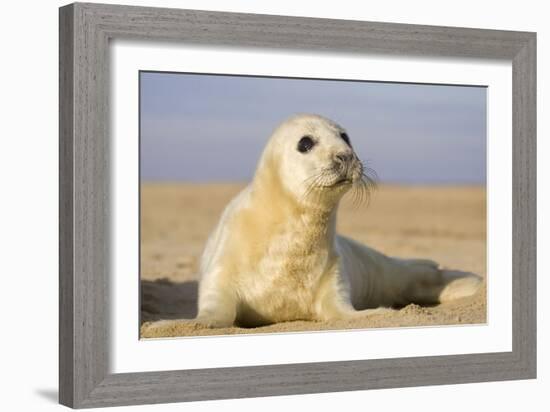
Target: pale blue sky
199	128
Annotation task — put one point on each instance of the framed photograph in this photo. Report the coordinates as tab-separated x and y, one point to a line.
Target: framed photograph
200	139
258	205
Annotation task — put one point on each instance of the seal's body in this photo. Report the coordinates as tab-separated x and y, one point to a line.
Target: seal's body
275	255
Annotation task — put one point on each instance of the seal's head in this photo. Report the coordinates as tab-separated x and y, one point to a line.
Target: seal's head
313	159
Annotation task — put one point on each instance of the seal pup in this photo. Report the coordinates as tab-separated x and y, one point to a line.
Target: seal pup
275	256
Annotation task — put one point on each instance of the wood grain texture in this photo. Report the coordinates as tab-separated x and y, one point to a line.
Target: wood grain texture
524	123
66	228
85	31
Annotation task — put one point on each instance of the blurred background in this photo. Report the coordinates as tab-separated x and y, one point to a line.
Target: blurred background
199	128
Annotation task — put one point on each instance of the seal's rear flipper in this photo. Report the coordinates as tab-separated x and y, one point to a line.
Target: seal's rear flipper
425	283
458	284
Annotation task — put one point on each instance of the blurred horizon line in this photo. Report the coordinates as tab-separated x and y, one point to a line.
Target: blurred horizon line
244	182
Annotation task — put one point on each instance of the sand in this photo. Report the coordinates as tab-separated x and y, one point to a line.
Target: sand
443	223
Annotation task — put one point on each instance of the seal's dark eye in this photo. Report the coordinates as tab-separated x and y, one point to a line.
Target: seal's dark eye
305	144
345	138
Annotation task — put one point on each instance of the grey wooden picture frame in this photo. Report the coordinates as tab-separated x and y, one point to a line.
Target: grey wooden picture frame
84	33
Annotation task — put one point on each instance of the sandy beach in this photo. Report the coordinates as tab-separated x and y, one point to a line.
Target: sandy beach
443	223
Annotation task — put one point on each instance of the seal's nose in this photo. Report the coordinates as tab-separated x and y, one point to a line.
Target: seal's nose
344	158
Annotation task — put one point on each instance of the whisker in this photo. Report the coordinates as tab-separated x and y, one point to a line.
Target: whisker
311	183
362	189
